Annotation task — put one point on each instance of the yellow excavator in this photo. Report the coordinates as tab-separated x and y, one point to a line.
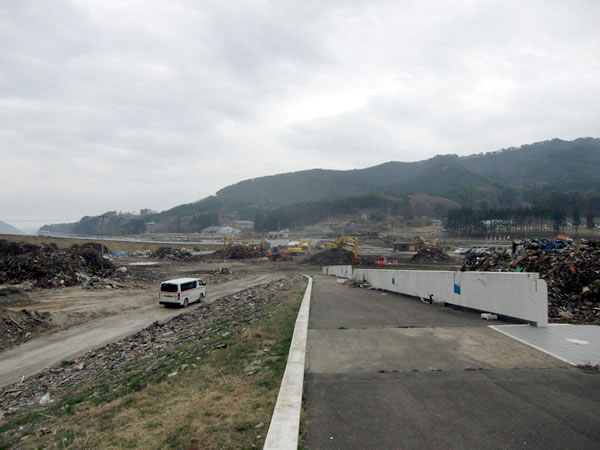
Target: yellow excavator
228	240
301	248
348	243
433	243
254	244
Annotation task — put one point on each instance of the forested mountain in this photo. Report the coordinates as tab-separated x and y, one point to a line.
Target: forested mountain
534	174
6	228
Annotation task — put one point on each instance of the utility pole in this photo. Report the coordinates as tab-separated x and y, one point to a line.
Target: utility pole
102	235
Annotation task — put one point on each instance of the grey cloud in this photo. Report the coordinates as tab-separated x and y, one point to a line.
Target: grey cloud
103	104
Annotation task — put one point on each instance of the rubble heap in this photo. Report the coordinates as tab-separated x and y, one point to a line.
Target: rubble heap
336	256
430	254
239	252
572	274
331	257
213	325
49	266
172	254
488	261
17	327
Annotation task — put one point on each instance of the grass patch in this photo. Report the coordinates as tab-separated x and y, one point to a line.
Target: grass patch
220	398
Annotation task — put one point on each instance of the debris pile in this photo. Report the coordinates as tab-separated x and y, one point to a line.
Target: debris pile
488	261
572	274
151	350
17	327
98	282
331	257
239	252
431	254
172	254
49	266
363	284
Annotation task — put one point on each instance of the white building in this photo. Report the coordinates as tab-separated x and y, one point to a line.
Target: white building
282	234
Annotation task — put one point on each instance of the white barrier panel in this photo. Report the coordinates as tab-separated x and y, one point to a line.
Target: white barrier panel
338	271
519	295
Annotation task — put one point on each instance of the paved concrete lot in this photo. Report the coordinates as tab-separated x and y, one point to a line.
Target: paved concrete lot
393	372
576	344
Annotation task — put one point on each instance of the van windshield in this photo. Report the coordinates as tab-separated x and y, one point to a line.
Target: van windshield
168	287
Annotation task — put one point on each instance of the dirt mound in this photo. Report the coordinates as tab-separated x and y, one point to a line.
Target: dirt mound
430	254
172	254
96	246
15	248
49	266
572	274
331	257
239	252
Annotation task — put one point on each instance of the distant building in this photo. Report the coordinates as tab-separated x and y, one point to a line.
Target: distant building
244	224
282	234
228	231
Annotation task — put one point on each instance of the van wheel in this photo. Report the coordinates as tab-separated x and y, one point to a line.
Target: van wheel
185	303
202	297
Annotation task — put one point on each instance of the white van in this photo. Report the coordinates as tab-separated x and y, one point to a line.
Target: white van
181	291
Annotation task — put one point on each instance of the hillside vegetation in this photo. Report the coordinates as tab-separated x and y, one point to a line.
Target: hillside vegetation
509	178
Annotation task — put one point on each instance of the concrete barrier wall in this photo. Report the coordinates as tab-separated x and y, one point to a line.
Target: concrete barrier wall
338	271
519	295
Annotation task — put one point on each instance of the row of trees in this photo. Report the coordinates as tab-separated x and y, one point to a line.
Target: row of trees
511	220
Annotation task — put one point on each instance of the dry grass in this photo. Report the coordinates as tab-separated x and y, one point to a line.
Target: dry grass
204	409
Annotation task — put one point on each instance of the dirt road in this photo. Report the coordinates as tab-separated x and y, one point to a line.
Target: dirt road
47	350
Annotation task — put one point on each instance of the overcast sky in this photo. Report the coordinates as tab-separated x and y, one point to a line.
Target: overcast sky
122	105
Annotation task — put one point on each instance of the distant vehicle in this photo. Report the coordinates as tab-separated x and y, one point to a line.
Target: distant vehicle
181	291
44	233
462	251
480	250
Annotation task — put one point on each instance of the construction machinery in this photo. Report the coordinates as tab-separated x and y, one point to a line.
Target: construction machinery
277	253
433	243
348	243
228	240
302	247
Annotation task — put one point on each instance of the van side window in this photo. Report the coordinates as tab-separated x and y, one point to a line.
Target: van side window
188	286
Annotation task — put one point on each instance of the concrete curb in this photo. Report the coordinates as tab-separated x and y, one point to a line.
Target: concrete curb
285	423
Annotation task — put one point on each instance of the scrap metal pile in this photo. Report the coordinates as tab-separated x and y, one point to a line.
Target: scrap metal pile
239	252
49	266
571	272
430	254
172	254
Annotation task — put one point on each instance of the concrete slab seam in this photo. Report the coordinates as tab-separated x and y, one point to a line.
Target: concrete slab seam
285	423
523	341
